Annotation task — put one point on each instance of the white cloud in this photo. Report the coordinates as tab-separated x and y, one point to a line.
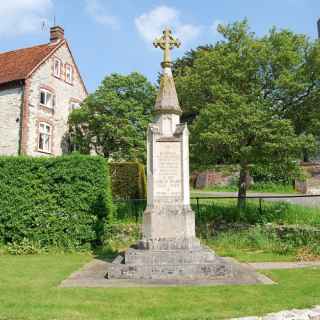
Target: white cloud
151	24
99	13
18	17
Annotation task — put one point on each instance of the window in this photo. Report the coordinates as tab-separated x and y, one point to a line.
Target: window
45	134
47	98
69	73
74	105
57	67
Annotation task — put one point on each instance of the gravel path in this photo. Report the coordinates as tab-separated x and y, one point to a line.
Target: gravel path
307	202
283	265
306	314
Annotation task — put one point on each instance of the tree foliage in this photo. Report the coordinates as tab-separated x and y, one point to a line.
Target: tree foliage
113	120
284	71
253	100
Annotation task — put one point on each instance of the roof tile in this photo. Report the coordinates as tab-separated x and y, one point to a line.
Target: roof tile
16	65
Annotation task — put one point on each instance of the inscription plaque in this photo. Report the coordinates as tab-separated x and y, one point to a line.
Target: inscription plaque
168	182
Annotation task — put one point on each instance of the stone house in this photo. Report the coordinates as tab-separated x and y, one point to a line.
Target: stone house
39	86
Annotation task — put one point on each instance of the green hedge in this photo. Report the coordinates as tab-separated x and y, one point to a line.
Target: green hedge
128	180
62	202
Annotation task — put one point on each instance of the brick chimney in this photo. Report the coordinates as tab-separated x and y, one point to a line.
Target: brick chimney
56	34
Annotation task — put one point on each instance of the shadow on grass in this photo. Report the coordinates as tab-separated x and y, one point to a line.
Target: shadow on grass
106	253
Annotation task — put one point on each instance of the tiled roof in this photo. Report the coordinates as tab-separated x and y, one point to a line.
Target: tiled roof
17	64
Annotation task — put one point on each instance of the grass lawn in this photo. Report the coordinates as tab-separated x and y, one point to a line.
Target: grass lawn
28	290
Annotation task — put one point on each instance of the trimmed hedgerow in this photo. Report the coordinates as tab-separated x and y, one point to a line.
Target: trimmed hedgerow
62	202
128	180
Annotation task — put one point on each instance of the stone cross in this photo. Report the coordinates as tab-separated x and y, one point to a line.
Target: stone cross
167	42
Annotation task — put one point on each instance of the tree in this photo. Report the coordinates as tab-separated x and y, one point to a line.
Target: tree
113	120
238	131
237	89
291	74
288	71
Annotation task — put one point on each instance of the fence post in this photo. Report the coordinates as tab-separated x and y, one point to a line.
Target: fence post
136	210
198	208
260	206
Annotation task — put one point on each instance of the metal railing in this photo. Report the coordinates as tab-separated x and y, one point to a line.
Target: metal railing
133	209
259	198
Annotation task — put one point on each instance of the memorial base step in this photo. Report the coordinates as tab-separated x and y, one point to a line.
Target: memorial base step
169	264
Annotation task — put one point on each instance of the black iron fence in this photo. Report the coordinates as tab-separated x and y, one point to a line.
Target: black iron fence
223	205
129	209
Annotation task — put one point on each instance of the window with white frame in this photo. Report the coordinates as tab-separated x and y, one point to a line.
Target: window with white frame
69	73
74	105
57	67
45	137
47	98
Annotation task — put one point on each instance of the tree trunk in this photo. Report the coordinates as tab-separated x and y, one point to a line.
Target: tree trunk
243	185
305	156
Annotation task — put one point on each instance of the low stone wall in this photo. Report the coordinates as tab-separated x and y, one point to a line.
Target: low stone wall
312	183
222	175
306	314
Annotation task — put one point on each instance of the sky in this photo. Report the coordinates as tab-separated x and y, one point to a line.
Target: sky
115	36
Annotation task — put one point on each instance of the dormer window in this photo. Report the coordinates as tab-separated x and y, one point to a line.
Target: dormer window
69	73
47	99
57	67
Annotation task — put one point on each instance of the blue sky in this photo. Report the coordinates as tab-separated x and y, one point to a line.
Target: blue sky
116	36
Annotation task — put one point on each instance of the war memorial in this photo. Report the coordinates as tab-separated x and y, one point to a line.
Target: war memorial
169	248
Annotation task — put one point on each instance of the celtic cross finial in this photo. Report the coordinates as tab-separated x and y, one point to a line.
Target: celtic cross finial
167	42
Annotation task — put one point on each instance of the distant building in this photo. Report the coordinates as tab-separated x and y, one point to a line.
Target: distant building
39	86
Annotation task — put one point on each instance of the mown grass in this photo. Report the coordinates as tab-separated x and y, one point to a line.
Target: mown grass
29	290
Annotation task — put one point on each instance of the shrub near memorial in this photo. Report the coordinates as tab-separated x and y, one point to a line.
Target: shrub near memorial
62	202
128	180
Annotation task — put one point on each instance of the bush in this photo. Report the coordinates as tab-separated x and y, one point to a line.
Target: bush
283	173
128	180
61	202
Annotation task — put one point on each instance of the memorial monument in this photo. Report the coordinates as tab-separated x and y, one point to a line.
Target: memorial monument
169	248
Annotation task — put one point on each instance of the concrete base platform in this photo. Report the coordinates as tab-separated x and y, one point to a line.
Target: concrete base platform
181	264
93	276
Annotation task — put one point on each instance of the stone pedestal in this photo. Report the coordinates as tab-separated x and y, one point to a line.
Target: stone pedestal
169	248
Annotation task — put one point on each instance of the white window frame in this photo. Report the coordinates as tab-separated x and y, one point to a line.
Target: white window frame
49	98
74	105
57	70
69	73
45	129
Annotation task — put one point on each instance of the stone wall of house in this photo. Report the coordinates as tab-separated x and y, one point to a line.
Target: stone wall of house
10	113
64	92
